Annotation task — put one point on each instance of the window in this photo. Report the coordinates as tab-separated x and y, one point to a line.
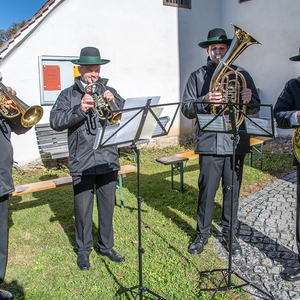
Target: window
178	3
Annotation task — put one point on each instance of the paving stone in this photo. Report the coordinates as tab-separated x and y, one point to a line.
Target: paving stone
267	237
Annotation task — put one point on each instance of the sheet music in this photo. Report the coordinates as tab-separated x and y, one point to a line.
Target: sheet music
266	124
127	133
219	124
158	130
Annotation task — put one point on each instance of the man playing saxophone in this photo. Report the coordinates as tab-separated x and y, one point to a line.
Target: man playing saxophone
215	149
92	171
287	115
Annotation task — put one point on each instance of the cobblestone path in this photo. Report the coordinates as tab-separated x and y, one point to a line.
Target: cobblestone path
267	236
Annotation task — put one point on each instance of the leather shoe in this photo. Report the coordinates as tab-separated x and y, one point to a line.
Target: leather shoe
236	247
293	274
198	245
4	295
83	262
113	255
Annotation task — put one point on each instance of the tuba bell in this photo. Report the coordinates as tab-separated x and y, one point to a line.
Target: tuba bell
29	115
100	109
226	80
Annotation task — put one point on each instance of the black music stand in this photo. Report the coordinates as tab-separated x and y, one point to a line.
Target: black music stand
230	127
142	113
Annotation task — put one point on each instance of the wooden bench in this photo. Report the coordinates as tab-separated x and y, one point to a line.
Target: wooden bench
52	145
256	144
177	163
58	182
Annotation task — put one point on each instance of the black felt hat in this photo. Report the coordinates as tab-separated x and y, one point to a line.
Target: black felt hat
296	58
90	56
215	36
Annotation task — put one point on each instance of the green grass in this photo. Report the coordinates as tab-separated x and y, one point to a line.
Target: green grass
42	261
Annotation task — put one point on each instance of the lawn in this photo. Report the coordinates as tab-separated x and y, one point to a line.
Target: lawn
42	261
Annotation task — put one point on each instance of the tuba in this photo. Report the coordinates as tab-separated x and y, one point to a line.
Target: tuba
100	109
296	143
226	80
29	115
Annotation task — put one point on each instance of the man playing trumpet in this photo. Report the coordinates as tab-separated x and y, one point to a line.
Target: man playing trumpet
90	169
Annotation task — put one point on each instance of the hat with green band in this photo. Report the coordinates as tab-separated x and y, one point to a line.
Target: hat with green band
90	56
215	36
295	58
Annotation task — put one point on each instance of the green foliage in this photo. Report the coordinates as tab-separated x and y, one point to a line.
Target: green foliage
42	257
6	34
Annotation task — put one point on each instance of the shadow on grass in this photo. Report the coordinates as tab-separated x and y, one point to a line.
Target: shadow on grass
14	288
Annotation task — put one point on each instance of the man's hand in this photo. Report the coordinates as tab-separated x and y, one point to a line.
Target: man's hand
9	105
246	95
213	97
87	102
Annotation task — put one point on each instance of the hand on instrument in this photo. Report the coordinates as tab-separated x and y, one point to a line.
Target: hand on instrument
213	97
9	102
246	95
108	95
87	102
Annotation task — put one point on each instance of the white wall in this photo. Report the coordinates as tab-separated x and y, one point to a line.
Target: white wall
141	38
275	24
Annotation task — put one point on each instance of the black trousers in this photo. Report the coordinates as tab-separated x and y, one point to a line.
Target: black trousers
298	213
212	169
84	188
3	235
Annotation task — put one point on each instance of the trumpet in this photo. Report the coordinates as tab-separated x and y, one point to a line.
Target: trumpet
29	115
100	108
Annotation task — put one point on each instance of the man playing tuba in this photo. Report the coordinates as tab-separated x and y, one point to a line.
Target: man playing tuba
287	115
215	149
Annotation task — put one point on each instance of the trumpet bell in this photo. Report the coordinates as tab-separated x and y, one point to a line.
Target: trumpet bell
32	116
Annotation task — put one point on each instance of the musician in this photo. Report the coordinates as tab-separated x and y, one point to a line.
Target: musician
89	168
216	149
287	115
6	186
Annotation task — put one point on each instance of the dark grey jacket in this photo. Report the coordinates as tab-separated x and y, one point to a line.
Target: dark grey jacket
287	104
6	152
196	88
82	128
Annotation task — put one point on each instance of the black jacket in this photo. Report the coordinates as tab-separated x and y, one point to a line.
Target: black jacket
196	88
287	104
82	128
6	152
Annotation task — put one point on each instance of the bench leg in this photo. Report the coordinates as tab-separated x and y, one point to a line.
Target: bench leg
180	168
121	191
250	156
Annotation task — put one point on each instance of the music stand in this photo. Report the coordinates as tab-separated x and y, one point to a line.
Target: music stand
253	127
143	118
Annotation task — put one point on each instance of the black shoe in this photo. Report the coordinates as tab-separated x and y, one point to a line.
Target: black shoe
112	255
236	247
83	262
198	245
4	295
293	274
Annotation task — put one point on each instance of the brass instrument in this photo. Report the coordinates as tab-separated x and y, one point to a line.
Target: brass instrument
225	78
100	109
29	115
296	143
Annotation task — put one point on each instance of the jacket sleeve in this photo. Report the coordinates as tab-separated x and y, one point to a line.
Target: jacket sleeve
285	107
190	96
63	115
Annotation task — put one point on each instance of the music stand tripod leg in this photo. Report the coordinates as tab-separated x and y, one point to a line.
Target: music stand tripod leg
141	250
